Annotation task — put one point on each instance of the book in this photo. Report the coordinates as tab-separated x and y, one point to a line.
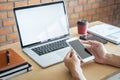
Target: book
17	65
15	71
106	31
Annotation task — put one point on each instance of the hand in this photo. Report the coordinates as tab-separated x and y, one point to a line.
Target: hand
73	63
97	49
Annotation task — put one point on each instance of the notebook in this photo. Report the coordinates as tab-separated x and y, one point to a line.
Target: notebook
14	59
43	30
15	66
106	31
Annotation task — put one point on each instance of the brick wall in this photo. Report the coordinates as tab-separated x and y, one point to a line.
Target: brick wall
117	13
91	10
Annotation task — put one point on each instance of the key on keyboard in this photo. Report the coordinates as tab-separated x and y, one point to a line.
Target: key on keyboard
50	47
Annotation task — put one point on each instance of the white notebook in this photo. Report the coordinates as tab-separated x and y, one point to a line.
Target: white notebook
106	31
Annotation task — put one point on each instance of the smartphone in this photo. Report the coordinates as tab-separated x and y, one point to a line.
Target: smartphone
83	53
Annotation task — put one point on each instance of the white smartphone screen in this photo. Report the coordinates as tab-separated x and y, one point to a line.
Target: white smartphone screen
80	49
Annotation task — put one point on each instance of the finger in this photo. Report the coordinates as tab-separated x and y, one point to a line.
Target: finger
74	55
86	42
88	46
96	42
93	52
92	43
68	54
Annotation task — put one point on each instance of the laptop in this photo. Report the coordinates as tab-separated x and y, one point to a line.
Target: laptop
43	30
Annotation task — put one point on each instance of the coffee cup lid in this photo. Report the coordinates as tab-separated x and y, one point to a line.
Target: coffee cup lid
82	22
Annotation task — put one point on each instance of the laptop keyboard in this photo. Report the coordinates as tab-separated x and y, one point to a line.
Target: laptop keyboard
50	47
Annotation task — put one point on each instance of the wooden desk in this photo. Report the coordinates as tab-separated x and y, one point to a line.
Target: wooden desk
92	70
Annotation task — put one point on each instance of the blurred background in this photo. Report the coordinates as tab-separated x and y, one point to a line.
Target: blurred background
107	11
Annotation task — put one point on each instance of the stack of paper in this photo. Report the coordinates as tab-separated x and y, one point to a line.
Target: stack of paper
106	31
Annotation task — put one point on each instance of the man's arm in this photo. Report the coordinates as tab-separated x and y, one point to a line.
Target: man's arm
112	59
101	54
74	65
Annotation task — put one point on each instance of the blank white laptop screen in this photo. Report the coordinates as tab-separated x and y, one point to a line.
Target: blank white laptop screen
38	24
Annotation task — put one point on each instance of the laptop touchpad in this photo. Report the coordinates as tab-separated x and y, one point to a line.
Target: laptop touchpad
63	52
49	59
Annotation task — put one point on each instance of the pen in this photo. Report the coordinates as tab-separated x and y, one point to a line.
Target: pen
8	57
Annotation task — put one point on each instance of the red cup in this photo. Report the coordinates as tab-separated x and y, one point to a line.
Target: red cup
82	27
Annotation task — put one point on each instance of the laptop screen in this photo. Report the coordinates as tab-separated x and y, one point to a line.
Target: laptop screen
41	23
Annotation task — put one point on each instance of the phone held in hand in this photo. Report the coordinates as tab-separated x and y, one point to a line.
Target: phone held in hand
83	53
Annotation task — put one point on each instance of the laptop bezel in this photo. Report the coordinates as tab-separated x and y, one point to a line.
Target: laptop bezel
42	4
